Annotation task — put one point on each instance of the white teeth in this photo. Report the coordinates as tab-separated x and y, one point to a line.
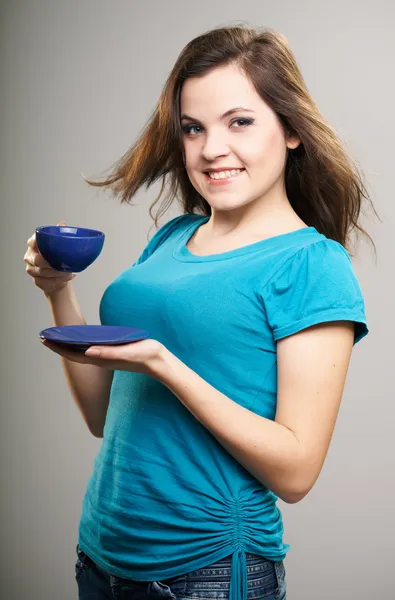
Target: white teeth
224	174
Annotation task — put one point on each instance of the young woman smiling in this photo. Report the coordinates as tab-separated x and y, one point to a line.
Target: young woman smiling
254	308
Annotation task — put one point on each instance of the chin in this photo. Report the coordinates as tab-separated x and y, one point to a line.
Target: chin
227	205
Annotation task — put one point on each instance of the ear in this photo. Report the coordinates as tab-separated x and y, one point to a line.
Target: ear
292	142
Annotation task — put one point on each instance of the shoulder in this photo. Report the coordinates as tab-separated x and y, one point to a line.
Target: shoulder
317	283
321	258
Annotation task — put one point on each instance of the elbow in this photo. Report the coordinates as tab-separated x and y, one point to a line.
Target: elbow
295	494
290	494
96	429
305	473
294	491
97	433
294	497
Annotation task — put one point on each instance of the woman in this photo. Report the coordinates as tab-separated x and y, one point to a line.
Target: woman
253	309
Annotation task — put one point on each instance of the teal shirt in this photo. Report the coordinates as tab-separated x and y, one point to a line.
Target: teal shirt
165	498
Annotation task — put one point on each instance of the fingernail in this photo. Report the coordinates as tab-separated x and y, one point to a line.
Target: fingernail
92	352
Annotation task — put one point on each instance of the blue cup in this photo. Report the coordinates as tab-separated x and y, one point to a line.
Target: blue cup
69	249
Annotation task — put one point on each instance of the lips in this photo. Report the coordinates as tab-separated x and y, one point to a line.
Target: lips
220	181
223	169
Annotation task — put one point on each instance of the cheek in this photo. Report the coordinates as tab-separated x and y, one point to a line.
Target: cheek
261	147
271	151
275	143
191	148
273	139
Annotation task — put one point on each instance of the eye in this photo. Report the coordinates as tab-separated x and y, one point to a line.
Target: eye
245	121
187	129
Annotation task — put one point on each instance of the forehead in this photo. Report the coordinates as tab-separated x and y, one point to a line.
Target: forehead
221	88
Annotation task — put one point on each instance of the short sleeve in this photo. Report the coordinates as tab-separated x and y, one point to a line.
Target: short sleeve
316	285
165	232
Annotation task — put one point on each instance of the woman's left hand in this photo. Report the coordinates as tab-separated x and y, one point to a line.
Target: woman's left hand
144	356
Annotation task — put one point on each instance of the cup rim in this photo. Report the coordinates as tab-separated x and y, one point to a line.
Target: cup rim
75	237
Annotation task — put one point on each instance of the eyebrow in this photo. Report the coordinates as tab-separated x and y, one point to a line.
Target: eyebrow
226	114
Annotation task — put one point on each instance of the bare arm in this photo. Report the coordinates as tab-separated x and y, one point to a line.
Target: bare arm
287	454
89	384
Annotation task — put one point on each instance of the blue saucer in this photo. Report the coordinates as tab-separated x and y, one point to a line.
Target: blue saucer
81	337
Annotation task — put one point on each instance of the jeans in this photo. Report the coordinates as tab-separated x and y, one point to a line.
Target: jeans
266	580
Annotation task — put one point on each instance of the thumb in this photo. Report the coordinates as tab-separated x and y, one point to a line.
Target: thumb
61	223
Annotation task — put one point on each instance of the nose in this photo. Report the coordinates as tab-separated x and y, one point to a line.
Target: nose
215	145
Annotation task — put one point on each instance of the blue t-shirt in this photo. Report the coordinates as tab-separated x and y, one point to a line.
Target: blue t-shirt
165	498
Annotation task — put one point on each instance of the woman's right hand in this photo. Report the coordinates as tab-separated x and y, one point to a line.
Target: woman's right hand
45	277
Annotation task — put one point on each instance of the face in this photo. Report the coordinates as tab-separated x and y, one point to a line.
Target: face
251	140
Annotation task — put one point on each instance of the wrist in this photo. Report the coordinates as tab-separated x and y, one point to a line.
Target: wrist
165	367
55	294
162	366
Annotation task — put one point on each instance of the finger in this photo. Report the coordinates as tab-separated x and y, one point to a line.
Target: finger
95	351
80	357
106	352
49	275
44	273
75	355
31	242
30	258
37	265
36	261
39	261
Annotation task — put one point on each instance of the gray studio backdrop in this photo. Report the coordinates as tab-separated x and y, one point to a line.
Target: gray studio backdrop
78	81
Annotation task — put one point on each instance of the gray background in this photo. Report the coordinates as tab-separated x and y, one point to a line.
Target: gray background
78	81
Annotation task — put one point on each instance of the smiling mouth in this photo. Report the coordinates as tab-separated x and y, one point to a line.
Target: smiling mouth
231	174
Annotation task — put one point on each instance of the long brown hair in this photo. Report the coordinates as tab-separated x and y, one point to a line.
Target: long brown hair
322	183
